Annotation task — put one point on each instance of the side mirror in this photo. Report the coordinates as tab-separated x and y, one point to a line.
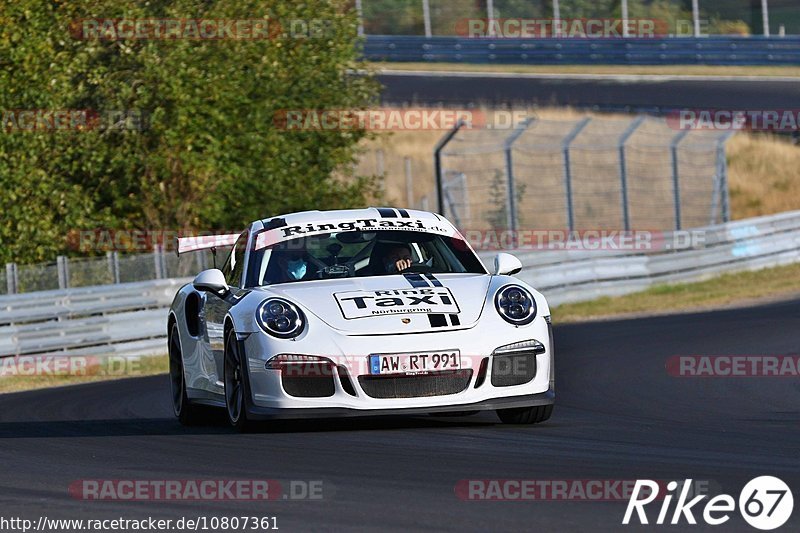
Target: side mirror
506	264
212	280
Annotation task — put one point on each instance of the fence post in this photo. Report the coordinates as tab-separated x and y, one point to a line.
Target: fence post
568	169
117	275
426	16
676	178
722	164
409	183
201	261
556	19
157	261
163	256
110	264
113	266
63	272
360	12
511	200
623	170
437	163
380	168
12	281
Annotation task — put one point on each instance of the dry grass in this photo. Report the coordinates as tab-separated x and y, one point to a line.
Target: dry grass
12	380
764	170
764	175
636	70
742	287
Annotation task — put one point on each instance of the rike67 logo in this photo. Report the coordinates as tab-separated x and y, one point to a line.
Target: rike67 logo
765	503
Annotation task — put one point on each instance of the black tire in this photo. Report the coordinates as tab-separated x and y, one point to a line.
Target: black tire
236	388
525	415
187	413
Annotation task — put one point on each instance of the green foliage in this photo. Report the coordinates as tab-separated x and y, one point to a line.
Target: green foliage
497	217
211	155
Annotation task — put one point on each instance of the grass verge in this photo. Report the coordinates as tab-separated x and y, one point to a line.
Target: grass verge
39	372
628	70
728	289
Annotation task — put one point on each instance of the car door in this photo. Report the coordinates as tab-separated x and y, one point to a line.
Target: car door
217	307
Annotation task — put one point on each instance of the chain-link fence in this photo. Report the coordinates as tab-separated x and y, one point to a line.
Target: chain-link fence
587	173
681	18
112	268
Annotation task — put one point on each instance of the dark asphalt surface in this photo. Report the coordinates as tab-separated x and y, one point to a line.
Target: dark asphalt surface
618	416
648	96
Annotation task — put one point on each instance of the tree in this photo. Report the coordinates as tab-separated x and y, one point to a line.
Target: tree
211	155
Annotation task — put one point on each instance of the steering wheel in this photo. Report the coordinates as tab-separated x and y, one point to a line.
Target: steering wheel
419	268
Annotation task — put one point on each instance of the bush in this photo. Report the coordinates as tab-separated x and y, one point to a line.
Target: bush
210	155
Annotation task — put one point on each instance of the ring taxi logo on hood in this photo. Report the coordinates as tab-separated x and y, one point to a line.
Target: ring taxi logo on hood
362	304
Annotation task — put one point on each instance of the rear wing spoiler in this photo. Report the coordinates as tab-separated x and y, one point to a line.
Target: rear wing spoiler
204	242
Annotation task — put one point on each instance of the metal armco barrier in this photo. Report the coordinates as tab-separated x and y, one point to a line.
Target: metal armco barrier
574	276
125	319
130	318
757	50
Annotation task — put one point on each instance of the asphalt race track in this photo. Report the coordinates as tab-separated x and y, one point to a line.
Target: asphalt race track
618	416
657	94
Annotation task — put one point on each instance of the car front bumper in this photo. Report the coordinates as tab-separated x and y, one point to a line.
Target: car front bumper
267	396
255	412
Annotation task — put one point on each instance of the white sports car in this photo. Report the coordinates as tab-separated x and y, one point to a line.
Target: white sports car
358	312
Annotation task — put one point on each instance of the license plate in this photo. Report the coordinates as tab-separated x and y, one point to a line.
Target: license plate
414	363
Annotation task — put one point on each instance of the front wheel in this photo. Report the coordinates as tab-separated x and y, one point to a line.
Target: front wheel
235	385
525	415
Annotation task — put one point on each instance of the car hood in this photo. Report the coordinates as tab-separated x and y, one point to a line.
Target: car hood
392	304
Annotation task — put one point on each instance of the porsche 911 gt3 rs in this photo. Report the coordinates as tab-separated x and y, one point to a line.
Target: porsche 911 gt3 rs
357	312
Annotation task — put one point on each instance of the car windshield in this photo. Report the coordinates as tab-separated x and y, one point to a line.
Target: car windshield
357	254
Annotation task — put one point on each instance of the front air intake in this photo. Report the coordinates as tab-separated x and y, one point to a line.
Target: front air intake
308	380
514	369
438	384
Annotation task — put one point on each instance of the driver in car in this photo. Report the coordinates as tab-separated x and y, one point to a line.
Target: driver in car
397	259
293	266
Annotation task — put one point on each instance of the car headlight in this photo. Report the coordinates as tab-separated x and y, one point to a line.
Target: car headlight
516	305
280	318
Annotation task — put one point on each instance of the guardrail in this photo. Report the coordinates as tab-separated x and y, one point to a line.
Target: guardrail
567	276
757	50
130	318
125	319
